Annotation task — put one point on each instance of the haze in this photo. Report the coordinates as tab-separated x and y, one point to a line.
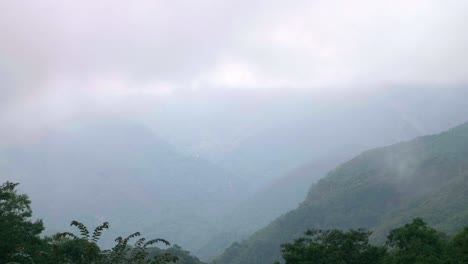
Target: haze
161	101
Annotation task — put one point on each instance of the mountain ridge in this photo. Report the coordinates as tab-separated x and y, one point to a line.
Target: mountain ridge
364	191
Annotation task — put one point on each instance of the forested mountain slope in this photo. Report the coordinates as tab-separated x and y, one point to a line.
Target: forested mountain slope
379	189
316	138
258	210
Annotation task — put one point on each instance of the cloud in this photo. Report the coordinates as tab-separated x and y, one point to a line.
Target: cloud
112	48
352	42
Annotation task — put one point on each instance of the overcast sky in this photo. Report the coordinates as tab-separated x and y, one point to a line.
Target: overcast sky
58	52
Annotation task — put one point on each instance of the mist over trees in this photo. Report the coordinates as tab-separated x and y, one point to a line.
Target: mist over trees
20	240
379	190
415	242
228	171
230	128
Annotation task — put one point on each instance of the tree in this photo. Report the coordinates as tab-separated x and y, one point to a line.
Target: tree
333	246
19	236
416	243
183	256
458	248
70	248
138	253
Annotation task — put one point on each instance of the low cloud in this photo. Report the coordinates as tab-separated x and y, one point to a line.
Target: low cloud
97	51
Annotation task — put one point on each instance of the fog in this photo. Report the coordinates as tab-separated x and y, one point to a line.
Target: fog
61	59
162	101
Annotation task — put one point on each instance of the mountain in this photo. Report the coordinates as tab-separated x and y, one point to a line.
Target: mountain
258	210
379	189
315	138
118	171
310	127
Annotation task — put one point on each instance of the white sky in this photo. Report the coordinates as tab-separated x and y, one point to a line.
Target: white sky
61	52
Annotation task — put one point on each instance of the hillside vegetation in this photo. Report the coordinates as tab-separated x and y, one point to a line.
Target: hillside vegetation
379	189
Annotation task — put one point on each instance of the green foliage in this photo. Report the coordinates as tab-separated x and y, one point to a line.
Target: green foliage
63	249
333	246
138	253
183	256
458	248
415	243
73	249
379	190
70	248
20	241
19	236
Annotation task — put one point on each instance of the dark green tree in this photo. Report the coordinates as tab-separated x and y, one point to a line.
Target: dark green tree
82	249
123	253
415	243
458	248
333	246
19	236
70	248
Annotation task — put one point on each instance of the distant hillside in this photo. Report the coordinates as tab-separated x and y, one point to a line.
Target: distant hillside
379	189
258	210
308	129
120	172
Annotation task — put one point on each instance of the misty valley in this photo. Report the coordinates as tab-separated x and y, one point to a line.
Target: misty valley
233	132
366	178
